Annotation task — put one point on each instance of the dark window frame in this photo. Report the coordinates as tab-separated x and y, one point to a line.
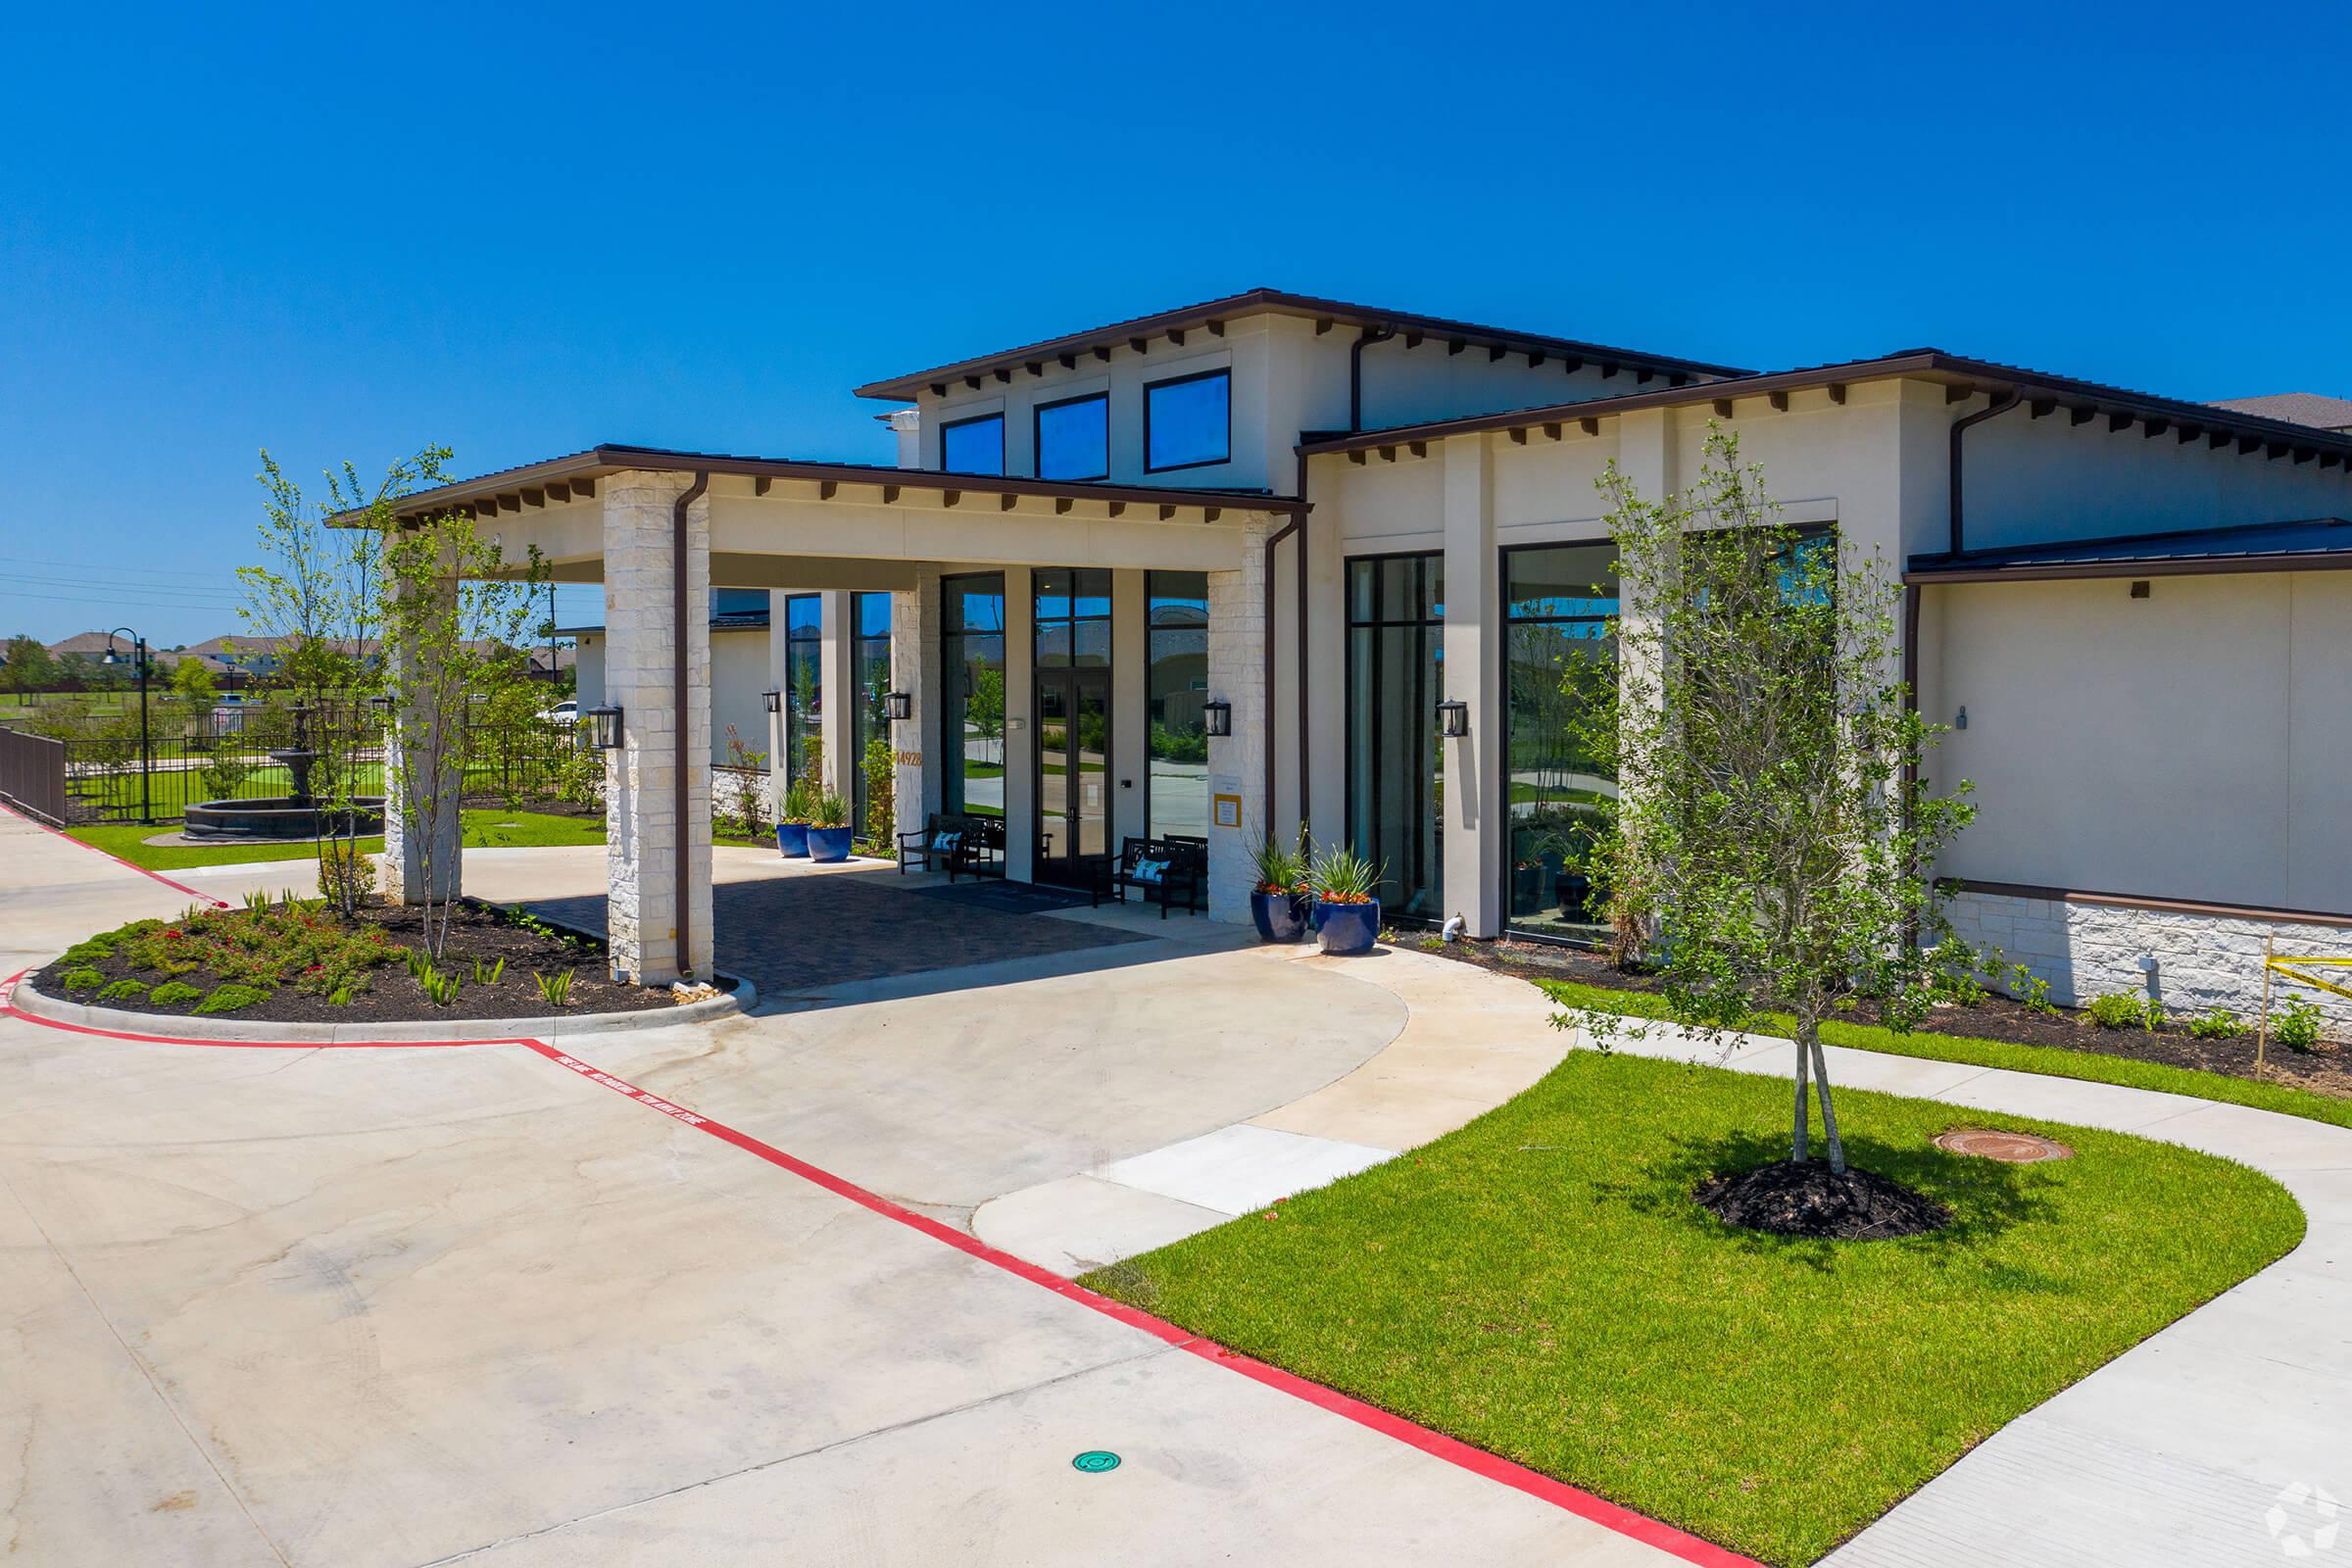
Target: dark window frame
958	424
797	637
1351	623
1150	387
1037	434
1149	632
1503	864
866	723
952	635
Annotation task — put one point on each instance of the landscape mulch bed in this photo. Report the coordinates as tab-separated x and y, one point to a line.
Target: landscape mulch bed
475	931
1792	1198
2326	1070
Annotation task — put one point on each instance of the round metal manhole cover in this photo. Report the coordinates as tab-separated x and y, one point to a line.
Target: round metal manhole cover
2013	1149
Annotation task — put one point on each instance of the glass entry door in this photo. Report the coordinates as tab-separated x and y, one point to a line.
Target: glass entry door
1073	765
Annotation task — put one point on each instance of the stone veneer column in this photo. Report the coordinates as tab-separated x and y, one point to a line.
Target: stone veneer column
1475	820
914	670
405	856
647	848
1237	652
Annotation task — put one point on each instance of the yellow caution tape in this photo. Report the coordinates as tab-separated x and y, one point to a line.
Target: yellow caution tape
2290	968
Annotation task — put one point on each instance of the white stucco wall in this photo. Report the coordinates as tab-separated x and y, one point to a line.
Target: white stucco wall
738	678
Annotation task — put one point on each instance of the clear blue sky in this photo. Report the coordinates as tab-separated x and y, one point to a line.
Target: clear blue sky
350	231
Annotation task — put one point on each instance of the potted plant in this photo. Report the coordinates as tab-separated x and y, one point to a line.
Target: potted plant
829	830
792	822
1276	903
1346	900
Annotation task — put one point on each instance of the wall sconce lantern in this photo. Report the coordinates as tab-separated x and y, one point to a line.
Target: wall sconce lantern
603	728
1454	720
774	701
898	705
1216	717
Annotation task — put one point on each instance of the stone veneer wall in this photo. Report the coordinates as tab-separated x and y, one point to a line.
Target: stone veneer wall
2087	949
1237	652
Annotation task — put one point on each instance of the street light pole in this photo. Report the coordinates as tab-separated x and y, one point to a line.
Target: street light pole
146	760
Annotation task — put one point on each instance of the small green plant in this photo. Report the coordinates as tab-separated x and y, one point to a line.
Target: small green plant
488	976
2151	1017
2118	1009
439	989
256	901
799	806
341	996
2296	1024
1279	869
230	997
418	963
1956	972
95	950
2218	1024
84	979
123	991
2030	989
175	994
831	810
555	988
1343	877
1431	941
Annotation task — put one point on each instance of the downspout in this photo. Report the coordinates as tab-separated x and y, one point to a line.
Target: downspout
1274	540
681	641
2000	404
1355	374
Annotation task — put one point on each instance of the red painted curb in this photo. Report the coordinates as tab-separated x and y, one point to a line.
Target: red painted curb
1452	1450
182	887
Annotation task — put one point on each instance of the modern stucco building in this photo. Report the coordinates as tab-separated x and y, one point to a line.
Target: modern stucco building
1314	521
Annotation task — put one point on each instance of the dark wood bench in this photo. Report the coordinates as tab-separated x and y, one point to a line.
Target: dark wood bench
1183	872
977	848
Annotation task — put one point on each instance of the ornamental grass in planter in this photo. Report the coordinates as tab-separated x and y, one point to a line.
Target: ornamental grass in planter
1346	900
1279	902
792	822
829	830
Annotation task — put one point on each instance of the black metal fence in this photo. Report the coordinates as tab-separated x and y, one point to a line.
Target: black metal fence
110	772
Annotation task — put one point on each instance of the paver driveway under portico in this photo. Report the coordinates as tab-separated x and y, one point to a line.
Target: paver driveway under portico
399	1306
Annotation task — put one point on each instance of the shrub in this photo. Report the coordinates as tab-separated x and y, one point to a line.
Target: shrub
555	988
175	994
1955	972
219	779
97	950
2118	1009
2030	989
881	768
831	810
123	991
84	978
2297	1025
2218	1024
230	997
1343	877
346	875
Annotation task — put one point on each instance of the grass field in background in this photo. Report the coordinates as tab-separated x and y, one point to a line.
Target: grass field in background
484	829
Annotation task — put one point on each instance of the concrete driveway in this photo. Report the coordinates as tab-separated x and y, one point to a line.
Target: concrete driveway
405	1306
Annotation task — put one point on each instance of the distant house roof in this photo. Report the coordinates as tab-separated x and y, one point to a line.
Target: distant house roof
2320	412
1211	316
92	643
2313	543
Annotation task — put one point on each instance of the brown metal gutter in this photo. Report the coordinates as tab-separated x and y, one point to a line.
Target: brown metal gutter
1960	427
2128	901
681	642
2176	567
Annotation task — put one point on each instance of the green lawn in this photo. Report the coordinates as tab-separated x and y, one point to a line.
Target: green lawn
2052	1060
488	829
1539	1283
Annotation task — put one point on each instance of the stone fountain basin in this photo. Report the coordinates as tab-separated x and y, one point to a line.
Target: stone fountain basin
281	817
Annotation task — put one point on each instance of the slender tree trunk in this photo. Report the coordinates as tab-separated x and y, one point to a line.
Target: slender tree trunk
1800	1142
1829	1112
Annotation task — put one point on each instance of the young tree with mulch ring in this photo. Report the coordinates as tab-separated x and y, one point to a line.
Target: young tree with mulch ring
1773	837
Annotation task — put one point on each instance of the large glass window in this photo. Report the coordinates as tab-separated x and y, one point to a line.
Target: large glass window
1557	601
1176	638
803	686
1395	769
1073	619
972	699
869	678
973	446
1073	438
1188	421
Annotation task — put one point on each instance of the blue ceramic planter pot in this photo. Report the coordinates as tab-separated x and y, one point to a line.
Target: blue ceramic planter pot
829	843
1344	928
792	840
1278	916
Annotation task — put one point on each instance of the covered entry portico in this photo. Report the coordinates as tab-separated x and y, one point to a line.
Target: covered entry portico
661	529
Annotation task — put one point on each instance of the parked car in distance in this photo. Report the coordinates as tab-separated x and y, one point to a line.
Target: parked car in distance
564	713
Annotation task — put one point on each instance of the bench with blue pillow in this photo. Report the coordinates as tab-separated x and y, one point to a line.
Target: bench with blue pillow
971	846
1162	872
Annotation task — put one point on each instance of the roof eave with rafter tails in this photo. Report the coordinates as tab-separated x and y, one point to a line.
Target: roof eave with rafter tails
557	480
